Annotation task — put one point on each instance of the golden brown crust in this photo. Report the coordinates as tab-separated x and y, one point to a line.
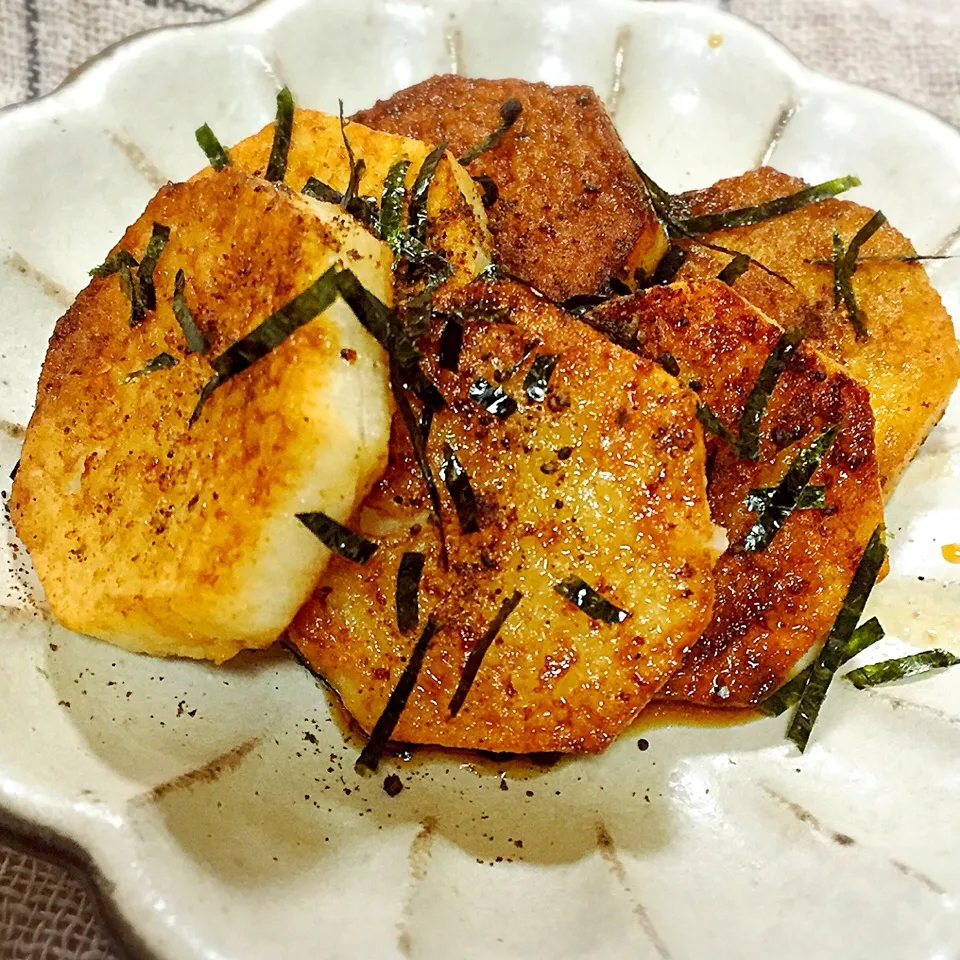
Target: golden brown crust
183	540
572	211
457	222
910	363
775	605
605	480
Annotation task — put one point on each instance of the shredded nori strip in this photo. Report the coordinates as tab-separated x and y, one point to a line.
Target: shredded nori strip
158	240
458	484
114	263
747	216
319	190
492	398
417	210
196	341
537	381
887	671
418	433
668	267
831	656
378	319
282	131
391	206
408	590
451	343
748	435
845	265
216	152
15	470
812	498
713	424
789	694
339	538
510	111
734	270
789	492
162	361
476	655
356	166
131	287
583	596
369	758
746	442
663	206
271	333
490	192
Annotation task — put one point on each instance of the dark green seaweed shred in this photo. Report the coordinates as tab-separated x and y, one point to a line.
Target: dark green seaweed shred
734	270
196	341
318	190
537	381
788	492
409	573
510	111
162	361
378	319
812	498
747	216
131	287
458	484
391	206
713	424
476	655
158	240
418	433
492	398
282	132
887	671
893	258
15	470
369	758
748	435
668	267
338	538
789	694
664	205
216	152
113	263
270	333
490	192
845	265
831	656
584	597
356	166
417	210
451	343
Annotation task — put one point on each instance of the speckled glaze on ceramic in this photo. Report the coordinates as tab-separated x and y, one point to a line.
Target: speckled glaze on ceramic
220	807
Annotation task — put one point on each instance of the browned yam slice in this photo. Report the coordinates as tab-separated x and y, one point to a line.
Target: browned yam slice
605	480
910	363
456	224
572	212
775	605
181	540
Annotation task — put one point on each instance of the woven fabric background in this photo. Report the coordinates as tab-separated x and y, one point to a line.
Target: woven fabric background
905	47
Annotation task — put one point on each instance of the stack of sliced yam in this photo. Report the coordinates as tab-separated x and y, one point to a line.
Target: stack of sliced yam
549	539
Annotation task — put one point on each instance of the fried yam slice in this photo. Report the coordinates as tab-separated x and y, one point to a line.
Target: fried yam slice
456	219
772	606
910	362
604	480
572	213
176	539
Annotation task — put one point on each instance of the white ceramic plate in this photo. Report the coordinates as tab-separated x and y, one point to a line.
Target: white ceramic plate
220	807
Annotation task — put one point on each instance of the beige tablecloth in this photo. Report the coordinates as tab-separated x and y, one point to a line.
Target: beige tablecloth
906	47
